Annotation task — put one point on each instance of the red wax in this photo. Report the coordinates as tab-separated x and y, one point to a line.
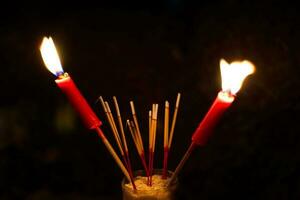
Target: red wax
205	128
66	84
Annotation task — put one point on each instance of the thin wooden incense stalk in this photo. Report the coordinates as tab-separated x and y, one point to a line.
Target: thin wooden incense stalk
114	126
182	162
138	132
149	144
174	120
120	123
166	133
106	113
133	136
170	139
138	146
116	135
153	139
136	136
115	132
136	124
154	125
155	128
150	118
123	136
125	156
113	153
143	157
110	120
150	152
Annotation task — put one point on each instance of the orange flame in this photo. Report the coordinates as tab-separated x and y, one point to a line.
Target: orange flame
50	56
234	74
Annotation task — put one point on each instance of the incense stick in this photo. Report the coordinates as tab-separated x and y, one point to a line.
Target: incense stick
115	132
166	133
138	141
155	126
133	136
106	113
174	120
138	146
153	130
136	124
150	118
118	138
123	136
110	120
139	137
112	124
114	154
142	155
109	117
181	163
120	124
166	124
150	152
149	145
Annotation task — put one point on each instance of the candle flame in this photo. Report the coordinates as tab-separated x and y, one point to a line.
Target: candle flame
50	56
234	74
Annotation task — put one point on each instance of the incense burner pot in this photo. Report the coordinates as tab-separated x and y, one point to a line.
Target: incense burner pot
158	190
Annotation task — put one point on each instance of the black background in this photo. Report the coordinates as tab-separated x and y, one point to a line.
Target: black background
147	52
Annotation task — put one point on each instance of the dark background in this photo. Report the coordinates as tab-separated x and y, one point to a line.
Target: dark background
147	52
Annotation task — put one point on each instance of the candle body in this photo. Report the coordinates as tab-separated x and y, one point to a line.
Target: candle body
79	103
206	126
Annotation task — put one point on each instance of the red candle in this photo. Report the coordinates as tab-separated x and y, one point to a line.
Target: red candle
233	75
205	128
232	78
66	84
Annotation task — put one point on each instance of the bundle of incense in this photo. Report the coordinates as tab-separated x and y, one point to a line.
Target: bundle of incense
137	143
122	145
136	135
123	135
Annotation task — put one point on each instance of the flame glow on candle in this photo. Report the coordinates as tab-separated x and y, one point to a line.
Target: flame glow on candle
50	56
234	74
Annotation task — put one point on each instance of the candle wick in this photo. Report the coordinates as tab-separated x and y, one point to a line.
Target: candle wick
229	93
62	75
